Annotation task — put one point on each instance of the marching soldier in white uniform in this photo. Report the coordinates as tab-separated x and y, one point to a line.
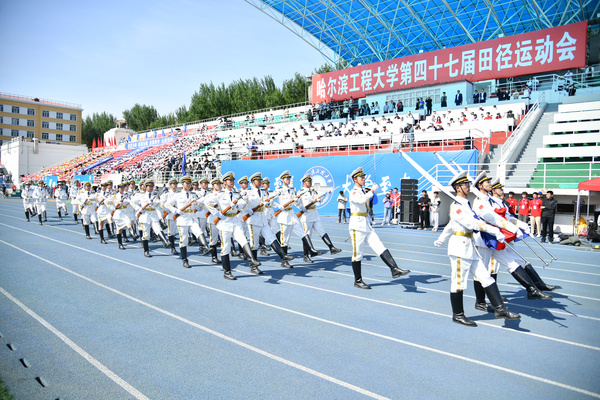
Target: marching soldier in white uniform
243	192
224	208
103	211
119	203
213	232
256	220
287	219
182	205
464	256
485	206
61	196
28	200
361	230
145	204
40	196
198	207
73	193
310	219
86	201
270	214
171	223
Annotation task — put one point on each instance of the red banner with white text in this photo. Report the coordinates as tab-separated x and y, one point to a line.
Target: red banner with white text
528	53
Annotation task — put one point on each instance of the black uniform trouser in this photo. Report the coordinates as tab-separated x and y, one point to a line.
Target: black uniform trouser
425	218
548	227
341	213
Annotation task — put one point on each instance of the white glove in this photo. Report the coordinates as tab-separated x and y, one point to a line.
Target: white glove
438	243
177	211
519	234
375	187
250	212
303	209
501	238
220	216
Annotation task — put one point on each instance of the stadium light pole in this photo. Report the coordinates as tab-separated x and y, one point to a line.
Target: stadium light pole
306	77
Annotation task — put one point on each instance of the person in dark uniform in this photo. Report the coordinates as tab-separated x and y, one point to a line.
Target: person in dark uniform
549	205
424	203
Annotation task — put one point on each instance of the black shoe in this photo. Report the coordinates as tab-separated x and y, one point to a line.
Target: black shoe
308	260
88	237
126	240
174	251
287	258
263	252
186	264
461	319
361	285
103	241
147	254
335	250
397	272
241	256
285	264
254	270
229	276
484	307
505	313
60	218
535	293
41	223
547	288
121	247
215	260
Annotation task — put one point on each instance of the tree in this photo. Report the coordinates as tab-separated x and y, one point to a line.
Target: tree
140	117
95	126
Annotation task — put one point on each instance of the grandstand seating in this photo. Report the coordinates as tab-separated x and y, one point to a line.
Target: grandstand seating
571	151
66	169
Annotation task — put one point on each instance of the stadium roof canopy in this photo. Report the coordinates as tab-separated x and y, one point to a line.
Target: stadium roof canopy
366	31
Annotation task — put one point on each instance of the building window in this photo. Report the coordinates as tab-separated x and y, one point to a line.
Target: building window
45	113
59	126
14	132
1	107
44	135
59	136
31	111
15	121
30	134
1	119
73	117
59	115
30	122
15	109
73	128
72	138
45	124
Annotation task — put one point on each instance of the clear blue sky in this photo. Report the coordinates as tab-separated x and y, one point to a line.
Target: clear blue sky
109	55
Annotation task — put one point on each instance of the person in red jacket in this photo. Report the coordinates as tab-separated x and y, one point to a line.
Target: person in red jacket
396	204
512	202
536	214
523	207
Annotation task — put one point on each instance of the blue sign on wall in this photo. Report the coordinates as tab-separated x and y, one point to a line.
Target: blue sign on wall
148	143
333	173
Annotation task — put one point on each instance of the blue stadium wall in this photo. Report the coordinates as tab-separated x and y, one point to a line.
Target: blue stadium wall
334	172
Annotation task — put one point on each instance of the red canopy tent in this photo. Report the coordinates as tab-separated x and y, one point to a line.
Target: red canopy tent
591	185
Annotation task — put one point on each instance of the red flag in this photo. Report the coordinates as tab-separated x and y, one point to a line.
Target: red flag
94	143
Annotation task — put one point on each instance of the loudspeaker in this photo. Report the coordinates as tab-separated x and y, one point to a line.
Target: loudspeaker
409	188
410	211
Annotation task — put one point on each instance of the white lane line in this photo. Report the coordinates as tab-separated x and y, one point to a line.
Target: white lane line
312	287
179	318
298	366
114	377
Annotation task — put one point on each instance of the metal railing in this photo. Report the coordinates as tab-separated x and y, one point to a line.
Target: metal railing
550	177
38	100
554	82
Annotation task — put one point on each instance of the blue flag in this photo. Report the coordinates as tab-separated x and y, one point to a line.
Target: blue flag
155	134
183	165
184	128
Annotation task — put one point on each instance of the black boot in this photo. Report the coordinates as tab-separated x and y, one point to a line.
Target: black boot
133	234
332	248
59	215
280	252
278	237
537	280
358	282
458	312
313	252
480	303
109	230
204	247
215	259
504	299
183	251
532	292
86	228
251	260
146	249
102	236
306	249
120	241
500	310
75	217
27	215
163	239
172	245
66	212
234	253
40	218
45	219
226	267
389	261
124	234
241	254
